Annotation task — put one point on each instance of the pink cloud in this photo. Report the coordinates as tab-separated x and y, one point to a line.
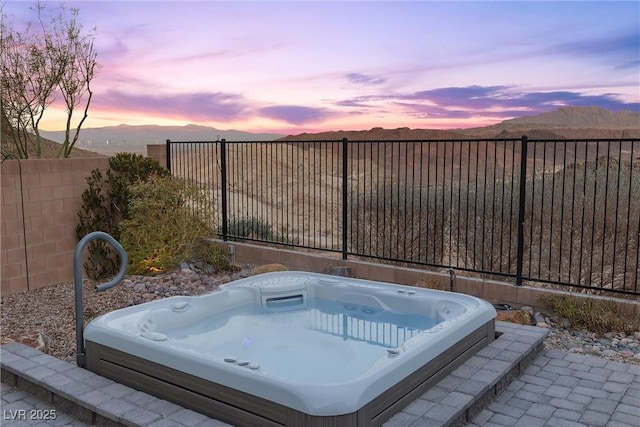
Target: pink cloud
214	106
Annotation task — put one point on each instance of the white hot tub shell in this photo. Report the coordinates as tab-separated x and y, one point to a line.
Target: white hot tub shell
292	347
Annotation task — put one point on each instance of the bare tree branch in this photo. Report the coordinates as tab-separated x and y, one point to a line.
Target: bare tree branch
36	66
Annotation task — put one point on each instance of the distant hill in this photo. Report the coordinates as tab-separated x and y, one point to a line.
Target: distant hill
564	123
112	139
376	134
582	117
49	148
531	134
571	123
568	122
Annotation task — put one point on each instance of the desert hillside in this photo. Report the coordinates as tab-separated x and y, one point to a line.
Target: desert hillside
301	175
582	117
564	123
569	123
468	159
50	148
110	140
377	134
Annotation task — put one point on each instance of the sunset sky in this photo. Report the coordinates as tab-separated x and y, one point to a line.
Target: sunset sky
291	67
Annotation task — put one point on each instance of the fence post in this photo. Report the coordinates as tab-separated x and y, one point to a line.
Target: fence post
521	203
223	183
344	197
168	148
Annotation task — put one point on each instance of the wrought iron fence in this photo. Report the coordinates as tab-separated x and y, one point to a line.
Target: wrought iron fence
561	212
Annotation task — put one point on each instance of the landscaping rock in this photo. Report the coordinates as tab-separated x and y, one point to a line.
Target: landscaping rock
268	268
340	270
521	317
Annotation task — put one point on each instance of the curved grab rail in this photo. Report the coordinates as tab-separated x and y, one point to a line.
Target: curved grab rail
81	359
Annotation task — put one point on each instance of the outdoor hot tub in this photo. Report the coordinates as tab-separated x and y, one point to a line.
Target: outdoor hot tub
292	348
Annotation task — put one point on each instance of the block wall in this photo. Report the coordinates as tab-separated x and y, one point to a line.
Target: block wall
499	292
39	205
158	152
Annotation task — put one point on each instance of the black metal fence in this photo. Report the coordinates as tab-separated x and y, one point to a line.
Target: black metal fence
561	212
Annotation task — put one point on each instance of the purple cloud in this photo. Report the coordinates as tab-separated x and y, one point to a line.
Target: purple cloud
620	50
194	106
295	114
471	96
364	79
504	98
351	103
545	100
426	111
492	101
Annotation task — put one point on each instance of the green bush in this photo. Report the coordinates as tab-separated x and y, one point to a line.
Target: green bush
210	253
253	228
95	215
125	170
163	228
105	204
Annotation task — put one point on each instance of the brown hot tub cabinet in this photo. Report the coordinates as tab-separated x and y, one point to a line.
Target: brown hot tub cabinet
242	409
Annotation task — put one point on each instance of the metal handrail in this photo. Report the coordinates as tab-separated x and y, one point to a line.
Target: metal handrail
81	358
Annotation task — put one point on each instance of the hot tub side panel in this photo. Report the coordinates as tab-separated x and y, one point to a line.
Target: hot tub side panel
243	409
209	398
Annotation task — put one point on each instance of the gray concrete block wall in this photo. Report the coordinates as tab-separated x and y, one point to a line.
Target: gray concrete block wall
491	290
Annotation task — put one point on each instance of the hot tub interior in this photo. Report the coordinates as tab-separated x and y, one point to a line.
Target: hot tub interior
283	345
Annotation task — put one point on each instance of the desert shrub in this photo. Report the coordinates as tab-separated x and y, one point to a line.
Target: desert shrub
579	223
400	222
595	315
105	204
254	228
210	253
125	170
163	228
433	283
484	222
95	215
578	227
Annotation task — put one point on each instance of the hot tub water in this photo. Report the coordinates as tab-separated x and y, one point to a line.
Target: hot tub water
325	342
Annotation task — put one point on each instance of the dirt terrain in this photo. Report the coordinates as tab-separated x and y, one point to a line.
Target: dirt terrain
302	168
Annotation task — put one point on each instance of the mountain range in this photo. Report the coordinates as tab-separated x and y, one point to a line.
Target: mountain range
112	139
563	123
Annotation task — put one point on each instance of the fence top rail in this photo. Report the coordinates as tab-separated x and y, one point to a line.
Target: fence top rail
395	141
276	141
586	140
192	142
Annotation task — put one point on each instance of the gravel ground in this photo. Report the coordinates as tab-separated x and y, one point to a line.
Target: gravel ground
45	318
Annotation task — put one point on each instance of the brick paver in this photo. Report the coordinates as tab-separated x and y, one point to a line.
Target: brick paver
22	409
496	387
567	389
